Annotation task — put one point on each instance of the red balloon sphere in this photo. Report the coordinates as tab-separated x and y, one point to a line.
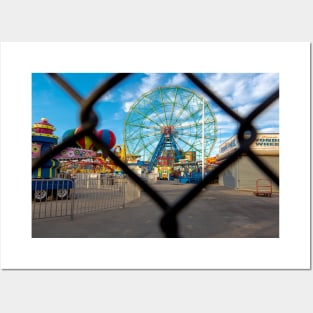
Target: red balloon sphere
107	137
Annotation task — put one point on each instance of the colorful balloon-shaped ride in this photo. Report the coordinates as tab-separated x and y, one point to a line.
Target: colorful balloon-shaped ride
106	136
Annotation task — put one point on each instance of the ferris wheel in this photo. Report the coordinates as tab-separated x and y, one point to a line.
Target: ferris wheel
168	122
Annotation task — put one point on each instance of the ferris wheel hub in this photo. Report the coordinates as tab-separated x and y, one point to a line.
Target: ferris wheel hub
167	130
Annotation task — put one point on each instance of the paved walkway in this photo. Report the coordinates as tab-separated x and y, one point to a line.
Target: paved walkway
218	212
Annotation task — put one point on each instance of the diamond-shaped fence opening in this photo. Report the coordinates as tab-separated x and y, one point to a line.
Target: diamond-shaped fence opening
246	136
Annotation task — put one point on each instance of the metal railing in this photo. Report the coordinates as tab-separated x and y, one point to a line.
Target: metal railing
89	193
95	192
89	120
52	198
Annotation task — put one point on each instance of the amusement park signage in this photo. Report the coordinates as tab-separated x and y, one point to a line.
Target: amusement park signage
211	160
266	142
229	145
263	142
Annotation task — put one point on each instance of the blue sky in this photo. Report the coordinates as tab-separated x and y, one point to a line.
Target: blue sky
242	91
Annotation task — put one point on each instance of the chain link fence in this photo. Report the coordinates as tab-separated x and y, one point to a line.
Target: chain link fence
88	118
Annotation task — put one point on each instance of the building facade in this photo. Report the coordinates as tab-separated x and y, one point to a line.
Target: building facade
243	174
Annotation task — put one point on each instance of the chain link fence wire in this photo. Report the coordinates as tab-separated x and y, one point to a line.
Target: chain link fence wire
246	136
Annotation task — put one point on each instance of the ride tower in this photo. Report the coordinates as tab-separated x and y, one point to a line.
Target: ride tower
44	140
166	149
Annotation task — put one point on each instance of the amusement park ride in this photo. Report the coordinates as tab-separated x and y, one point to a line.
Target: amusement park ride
169	126
81	157
170	129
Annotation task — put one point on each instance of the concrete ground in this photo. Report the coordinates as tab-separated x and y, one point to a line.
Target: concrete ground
218	212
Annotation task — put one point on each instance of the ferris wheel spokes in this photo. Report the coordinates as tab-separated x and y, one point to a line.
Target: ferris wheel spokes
183	108
169	121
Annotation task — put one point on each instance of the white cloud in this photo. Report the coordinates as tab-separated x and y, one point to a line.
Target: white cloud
244	110
227	128
263	84
107	96
126	95
222	84
176	80
223	118
269	130
126	106
241	89
149	82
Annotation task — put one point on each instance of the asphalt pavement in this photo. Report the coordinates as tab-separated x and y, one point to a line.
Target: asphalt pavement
217	212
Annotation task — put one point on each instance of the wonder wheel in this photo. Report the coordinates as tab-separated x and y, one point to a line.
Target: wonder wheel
167	123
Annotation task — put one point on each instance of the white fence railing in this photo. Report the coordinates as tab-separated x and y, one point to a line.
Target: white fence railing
90	193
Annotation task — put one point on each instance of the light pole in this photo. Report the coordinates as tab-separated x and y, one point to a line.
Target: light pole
202	138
